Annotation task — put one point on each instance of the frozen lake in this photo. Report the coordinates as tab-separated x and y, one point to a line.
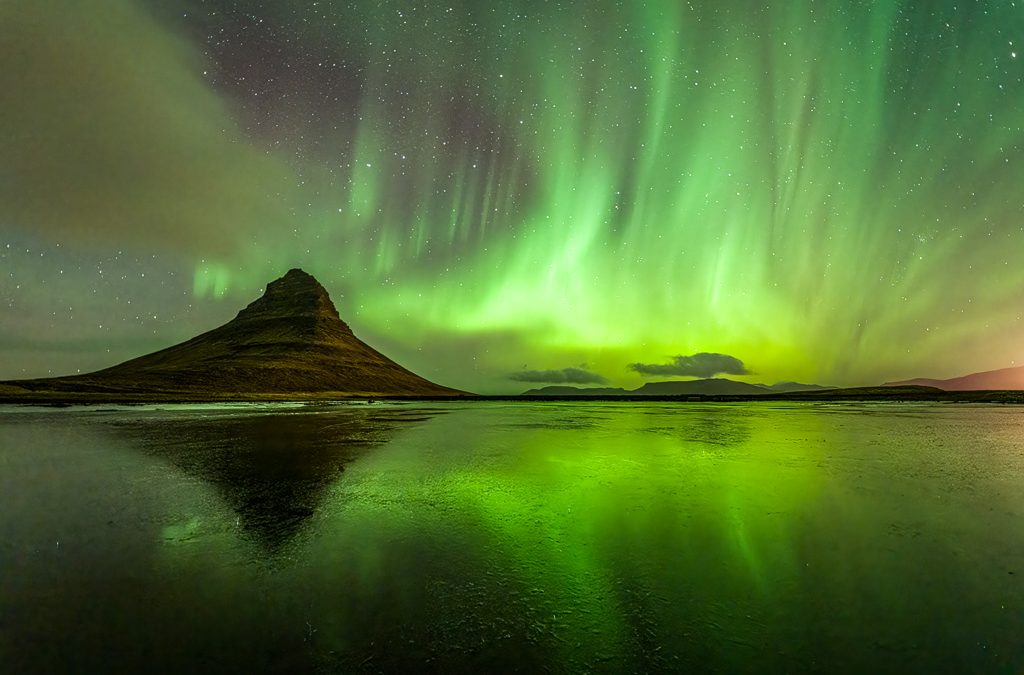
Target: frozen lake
493	537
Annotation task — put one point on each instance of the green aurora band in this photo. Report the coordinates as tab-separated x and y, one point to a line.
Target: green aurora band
828	190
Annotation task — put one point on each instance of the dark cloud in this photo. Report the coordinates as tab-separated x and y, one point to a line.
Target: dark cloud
563	376
111	133
704	364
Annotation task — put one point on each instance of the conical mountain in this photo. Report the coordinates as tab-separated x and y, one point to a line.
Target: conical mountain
289	341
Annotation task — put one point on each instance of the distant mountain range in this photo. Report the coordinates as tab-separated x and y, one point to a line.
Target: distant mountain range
291	341
1003	379
711	387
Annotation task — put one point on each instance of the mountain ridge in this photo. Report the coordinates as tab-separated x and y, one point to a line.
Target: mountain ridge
712	386
1002	379
290	340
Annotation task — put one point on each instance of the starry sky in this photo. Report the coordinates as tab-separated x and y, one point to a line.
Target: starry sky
501	194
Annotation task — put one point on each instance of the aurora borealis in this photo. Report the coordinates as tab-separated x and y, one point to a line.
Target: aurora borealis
826	191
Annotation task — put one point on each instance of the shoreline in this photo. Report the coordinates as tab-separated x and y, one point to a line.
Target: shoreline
872	394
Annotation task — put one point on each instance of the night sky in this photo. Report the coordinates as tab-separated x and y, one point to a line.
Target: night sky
502	193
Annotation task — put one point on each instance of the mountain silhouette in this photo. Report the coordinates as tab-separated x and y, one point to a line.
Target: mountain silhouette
991	380
791	387
709	386
713	386
289	341
568	390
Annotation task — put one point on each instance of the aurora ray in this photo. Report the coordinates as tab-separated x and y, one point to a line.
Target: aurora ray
827	190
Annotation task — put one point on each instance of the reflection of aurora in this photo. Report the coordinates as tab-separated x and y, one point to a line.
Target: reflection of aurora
613	541
578	537
601	520
633	535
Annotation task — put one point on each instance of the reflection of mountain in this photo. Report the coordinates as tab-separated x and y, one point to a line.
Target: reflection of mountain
711	386
1004	379
708	426
289	341
273	469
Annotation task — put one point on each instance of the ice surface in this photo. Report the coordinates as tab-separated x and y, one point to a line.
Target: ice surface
498	536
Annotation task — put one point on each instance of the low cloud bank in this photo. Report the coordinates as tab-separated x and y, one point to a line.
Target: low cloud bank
563	376
704	364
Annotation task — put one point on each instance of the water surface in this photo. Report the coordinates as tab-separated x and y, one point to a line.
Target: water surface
494	537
